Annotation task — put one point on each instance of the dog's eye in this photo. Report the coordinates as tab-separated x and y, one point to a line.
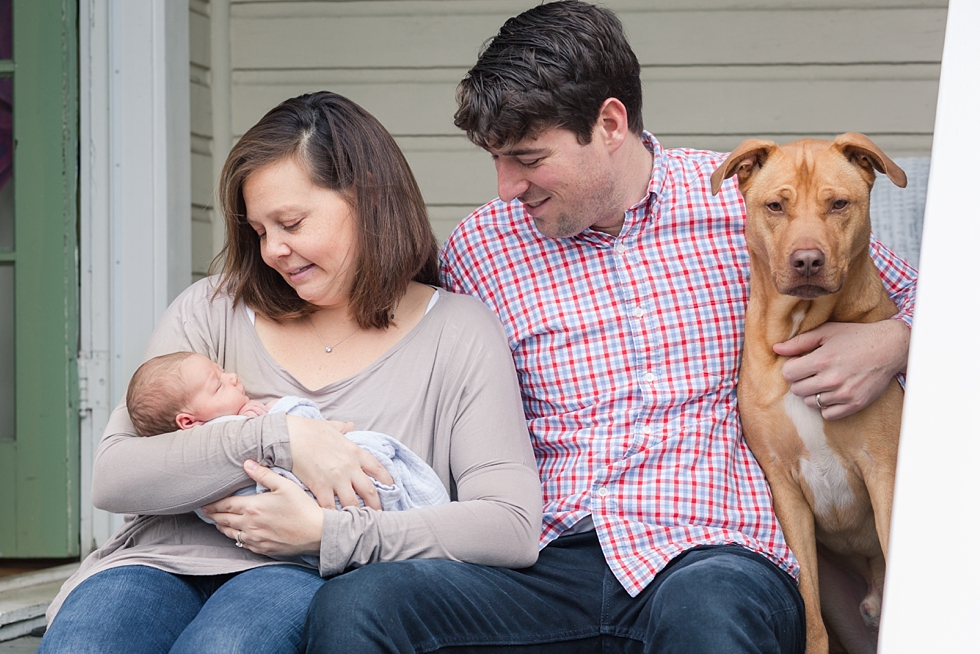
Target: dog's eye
840	204
774	207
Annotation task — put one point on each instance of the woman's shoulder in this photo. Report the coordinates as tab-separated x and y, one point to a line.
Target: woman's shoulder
203	295
468	314
464	306
200	309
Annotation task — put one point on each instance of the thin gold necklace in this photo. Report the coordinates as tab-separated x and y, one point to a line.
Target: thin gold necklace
329	348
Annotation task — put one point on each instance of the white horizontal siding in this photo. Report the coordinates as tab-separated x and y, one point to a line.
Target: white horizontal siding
714	72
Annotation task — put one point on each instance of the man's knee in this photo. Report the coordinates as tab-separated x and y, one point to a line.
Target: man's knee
372	608
742	598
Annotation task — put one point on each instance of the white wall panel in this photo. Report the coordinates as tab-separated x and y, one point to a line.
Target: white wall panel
714	72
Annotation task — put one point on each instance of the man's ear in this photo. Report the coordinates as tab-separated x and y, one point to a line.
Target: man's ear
613	124
186	421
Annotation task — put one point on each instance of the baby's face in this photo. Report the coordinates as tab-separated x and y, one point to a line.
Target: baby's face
214	392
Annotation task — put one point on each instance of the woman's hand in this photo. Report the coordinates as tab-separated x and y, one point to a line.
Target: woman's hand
332	466
283	522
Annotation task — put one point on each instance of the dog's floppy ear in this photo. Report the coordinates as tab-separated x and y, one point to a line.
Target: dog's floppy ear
748	157
859	150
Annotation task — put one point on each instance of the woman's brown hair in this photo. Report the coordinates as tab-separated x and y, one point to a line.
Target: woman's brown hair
345	149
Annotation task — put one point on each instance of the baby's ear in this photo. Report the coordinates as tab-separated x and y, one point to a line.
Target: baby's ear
186	421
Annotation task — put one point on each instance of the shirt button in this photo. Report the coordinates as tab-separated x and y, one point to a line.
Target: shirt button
603	491
648	377
638	313
620	248
646	430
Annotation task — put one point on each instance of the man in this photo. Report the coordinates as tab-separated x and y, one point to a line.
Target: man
621	283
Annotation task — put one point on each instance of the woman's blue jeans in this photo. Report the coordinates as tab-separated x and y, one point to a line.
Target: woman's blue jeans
136	608
713	600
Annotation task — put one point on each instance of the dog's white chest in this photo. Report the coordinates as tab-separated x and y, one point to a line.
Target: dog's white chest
822	471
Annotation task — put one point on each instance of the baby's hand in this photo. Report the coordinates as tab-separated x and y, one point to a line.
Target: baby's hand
253	408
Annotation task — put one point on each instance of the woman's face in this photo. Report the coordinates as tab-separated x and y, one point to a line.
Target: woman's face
306	233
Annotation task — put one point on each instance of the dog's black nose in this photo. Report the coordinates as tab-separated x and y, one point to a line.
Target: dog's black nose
807	263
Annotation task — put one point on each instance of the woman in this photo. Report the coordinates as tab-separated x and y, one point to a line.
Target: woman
326	292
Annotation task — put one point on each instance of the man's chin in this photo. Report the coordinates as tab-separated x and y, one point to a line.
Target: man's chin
562	228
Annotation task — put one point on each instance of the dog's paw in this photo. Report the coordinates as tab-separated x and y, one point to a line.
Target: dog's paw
871	610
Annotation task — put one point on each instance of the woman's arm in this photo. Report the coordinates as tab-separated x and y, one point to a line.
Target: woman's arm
496	519
180	471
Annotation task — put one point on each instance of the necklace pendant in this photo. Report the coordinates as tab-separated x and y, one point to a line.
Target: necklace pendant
327	349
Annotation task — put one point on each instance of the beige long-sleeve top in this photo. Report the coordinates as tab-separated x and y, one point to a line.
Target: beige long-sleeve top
447	390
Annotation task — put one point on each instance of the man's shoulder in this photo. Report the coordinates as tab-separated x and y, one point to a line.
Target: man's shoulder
489	239
494	221
693	159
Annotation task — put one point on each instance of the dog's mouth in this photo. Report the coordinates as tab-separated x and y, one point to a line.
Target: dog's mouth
808	291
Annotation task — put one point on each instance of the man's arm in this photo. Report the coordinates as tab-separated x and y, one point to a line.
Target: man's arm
851	364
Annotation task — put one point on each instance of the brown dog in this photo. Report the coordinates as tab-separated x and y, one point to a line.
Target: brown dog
808	230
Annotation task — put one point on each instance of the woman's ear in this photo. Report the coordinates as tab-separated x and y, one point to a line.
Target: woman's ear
186	421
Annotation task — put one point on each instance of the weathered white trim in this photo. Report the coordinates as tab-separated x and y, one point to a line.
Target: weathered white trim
135	201
930	607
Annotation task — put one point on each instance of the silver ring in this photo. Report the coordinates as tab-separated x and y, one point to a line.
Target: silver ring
238	540
818	404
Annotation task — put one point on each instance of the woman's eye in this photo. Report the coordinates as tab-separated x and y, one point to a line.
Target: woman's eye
840	204
774	207
291	227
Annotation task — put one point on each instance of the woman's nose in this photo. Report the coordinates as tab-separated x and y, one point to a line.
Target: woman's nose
274	245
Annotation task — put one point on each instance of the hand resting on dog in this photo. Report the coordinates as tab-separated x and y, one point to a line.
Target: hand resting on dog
849	364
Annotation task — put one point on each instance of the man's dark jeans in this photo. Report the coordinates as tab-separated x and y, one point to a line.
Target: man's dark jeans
717	600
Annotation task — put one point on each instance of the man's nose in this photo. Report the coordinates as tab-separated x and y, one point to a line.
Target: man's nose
511	181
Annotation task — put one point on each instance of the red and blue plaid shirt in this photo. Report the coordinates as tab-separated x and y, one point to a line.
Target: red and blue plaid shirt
627	349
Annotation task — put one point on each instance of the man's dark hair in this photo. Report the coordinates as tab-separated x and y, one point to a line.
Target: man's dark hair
551	66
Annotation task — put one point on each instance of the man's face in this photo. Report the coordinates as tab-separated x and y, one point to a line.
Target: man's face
566	187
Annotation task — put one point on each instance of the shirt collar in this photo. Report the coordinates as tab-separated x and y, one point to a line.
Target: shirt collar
642	211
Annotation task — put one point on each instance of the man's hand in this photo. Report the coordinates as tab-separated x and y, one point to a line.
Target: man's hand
848	364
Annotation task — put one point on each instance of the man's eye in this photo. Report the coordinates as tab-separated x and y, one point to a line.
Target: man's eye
531	164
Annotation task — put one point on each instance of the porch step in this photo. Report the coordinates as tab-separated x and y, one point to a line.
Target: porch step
24	599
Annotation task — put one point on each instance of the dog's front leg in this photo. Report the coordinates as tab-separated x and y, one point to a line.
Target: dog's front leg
796	519
880	458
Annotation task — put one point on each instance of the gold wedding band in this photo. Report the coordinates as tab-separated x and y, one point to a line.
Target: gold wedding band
238	540
818	404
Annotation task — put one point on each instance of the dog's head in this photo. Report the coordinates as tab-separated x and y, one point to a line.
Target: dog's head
806	206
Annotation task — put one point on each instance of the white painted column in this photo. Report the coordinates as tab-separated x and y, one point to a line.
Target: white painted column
135	202
931	592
